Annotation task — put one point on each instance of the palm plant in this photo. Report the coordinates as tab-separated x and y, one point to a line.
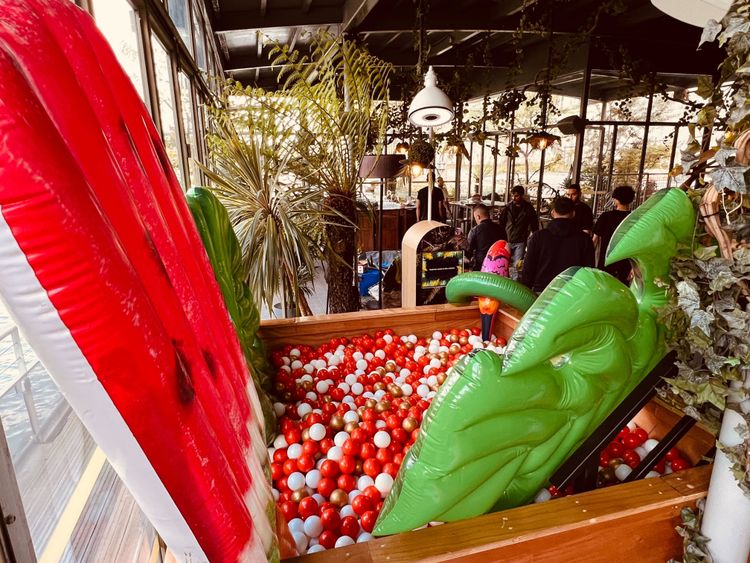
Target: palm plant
339	93
278	217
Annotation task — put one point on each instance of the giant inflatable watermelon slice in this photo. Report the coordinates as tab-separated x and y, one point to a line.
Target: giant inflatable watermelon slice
103	270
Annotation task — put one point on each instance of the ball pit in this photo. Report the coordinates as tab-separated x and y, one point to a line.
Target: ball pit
350	409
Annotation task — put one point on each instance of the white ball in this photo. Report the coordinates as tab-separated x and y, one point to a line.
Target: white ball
542	496
380	354
306	377
315	549
407	389
317	432
379	394
437	335
296	364
335	453
419	350
632	425
362	364
380	424
622	471
294	353
354	493
312	478
303	409
343	386
313	526
357	388
348	400
382	439
364	482
434	348
310	396
296	481
279	409
351	416
300	540
287	369
388	338
280	442
294	451
286	361
369	356
308	368
340	438
432	380
334	360
413	338
650	444
357	356
296	525
343	541
322	386
347	510
383	483
275	494
422	390
320	499
652	474
350	379
403	373
362	538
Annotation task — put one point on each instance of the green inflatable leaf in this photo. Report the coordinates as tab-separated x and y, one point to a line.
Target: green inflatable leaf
225	255
466	286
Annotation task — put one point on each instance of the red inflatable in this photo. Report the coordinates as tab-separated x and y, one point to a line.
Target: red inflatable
103	270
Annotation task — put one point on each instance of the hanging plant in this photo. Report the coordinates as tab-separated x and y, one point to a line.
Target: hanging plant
421	152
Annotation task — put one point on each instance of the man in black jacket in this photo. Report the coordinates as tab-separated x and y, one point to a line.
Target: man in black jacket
584	217
518	219
483	235
558	247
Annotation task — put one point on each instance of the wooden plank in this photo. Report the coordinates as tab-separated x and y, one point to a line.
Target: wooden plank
421	321
629	522
14	527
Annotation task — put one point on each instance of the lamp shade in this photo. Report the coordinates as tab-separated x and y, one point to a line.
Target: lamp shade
381	166
694	12
431	107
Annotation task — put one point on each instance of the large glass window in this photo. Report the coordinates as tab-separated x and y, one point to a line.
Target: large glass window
188	124
120	24
167	107
180	14
200	42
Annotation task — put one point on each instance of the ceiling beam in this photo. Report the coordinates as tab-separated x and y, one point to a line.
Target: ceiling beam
355	12
277	17
306	5
263	7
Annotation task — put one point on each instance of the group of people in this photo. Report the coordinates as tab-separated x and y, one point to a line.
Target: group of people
569	239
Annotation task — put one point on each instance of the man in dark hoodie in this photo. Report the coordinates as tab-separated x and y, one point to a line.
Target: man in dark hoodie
558	247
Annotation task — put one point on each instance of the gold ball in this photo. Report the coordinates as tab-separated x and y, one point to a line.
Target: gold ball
395	390
454	349
337	422
463	340
299	495
615	461
327	398
279	387
286	397
607	475
339	497
381	371
441	377
359	467
410	424
307	385
453	338
405	405
361	411
390	366
305	434
409	345
370	403
383	406
350	426
379	386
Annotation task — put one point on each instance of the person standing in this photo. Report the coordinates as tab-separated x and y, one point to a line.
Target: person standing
446	197
584	217
518	220
438	204
558	247
605	227
482	236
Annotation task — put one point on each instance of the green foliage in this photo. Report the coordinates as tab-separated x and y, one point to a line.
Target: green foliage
695	548
421	152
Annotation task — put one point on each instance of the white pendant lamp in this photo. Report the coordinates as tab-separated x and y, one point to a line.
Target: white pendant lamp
431	107
694	12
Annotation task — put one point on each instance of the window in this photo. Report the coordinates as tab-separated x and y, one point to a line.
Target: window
167	108
188	124
180	13
120	24
200	41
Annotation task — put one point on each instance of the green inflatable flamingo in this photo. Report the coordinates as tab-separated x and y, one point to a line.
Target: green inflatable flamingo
501	426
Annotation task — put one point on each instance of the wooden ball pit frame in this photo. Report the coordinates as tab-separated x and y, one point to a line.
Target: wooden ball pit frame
627	522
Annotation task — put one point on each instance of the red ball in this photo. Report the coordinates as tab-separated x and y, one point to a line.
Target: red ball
359	434
391	469
674	453
371	467
351	447
347	482
368	520
329	468
384	455
361	504
368	451
293	436
399	435
349	527
615	449
277	471
641	433
679	464
310	447
307	507
280	456
372	492
289	510
305	463
631	440
328	539
290	466
347	464
325	445
330	519
326	486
